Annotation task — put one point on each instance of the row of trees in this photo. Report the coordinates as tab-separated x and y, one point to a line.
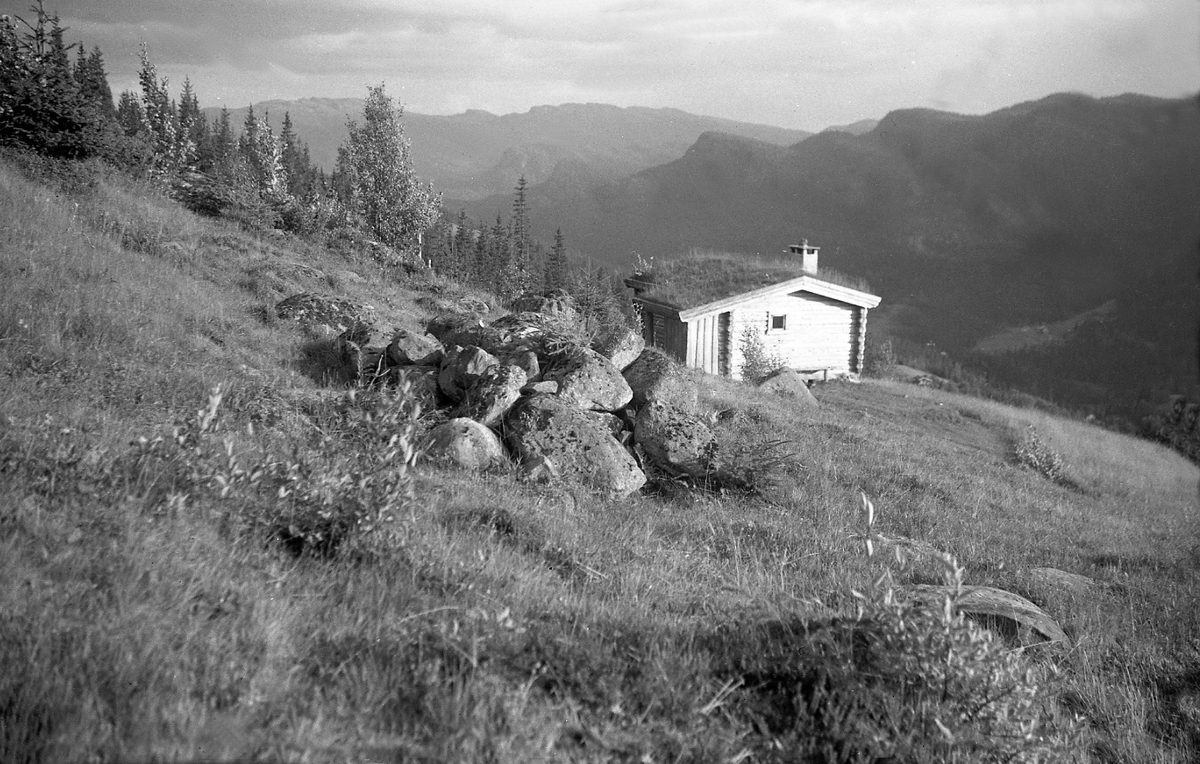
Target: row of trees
66	111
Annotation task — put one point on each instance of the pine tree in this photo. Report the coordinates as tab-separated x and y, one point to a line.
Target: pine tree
192	122
463	249
297	167
172	146
519	276
223	142
130	115
41	104
556	266
93	83
381	185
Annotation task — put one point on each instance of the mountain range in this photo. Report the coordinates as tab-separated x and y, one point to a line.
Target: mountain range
476	154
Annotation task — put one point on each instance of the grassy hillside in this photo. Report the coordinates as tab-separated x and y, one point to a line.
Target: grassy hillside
151	613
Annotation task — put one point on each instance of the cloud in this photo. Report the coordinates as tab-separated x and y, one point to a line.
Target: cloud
802	63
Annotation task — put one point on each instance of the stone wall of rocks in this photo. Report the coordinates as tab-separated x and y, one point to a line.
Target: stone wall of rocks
520	391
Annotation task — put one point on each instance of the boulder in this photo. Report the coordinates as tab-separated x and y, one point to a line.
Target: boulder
622	348
492	395
543	386
422	382
790	384
447	325
588	379
580	446
654	376
364	364
1061	580
461	368
557	301
412	349
324	315
675	440
498	338
525	359
995	607
463	444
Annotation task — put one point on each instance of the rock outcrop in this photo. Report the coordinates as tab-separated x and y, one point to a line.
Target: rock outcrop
653	376
675	440
463	444
579	443
519	391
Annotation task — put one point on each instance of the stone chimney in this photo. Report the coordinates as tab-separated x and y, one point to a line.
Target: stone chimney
808	256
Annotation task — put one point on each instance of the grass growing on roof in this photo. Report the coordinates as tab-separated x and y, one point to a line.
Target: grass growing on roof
704	276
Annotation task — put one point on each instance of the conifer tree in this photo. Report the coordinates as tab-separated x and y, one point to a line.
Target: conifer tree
172	146
192	121
131	117
519	263
223	142
556	265
93	83
41	105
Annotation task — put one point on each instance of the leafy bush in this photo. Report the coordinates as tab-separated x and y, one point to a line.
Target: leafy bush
903	682
757	363
1031	451
346	493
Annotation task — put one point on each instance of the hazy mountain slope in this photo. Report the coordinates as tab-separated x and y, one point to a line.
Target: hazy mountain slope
1006	208
477	153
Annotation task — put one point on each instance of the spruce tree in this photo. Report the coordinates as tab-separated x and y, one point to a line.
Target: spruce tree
41	104
519	262
556	266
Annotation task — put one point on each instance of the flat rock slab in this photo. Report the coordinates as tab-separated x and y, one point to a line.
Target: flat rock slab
993	603
1061	580
324	315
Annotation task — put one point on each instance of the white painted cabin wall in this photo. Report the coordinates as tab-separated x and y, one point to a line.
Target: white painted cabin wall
821	333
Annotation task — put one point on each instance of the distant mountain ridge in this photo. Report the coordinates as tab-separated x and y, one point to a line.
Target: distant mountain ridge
476	153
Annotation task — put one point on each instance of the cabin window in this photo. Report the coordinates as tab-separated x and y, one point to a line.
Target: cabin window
778	322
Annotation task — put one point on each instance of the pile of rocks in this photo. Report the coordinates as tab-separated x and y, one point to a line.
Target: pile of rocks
521	390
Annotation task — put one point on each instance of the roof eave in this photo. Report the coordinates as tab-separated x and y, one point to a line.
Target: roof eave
816	286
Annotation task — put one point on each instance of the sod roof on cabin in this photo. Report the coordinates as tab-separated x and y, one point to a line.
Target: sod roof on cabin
698	279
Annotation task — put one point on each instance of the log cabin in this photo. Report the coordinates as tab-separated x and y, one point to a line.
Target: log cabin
704	310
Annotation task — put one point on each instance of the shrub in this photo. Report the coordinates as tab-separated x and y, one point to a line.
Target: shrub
906	683
345	494
1031	451
757	363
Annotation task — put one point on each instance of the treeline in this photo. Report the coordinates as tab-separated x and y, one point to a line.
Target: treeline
372	201
504	259
61	109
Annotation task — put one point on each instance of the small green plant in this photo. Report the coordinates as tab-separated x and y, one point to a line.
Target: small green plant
904	682
1033	452
350	488
757	363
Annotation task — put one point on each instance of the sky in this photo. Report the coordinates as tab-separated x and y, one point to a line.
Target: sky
803	64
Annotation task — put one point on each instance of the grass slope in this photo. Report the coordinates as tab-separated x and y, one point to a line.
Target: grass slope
145	615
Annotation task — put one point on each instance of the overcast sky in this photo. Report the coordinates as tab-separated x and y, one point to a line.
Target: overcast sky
793	63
